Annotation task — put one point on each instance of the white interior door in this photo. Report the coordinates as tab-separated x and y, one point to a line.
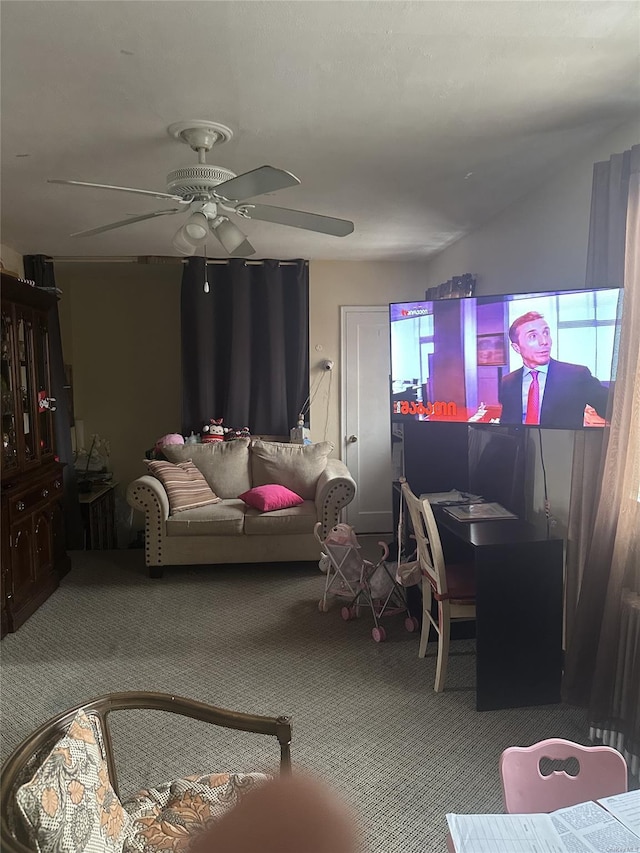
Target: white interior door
366	419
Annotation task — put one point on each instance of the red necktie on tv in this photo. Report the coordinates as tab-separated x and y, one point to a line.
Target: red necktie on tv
533	401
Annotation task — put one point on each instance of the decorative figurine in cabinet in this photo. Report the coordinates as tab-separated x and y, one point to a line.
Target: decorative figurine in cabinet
33	554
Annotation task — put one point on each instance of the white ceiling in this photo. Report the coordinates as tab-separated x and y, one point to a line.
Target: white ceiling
417	120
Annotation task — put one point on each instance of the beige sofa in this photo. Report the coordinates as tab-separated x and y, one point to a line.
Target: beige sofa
230	531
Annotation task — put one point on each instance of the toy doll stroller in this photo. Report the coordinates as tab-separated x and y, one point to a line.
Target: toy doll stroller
363	583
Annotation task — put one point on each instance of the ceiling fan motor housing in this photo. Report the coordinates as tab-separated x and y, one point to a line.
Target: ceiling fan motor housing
197	180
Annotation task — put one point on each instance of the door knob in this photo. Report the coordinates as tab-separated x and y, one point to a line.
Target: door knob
352	439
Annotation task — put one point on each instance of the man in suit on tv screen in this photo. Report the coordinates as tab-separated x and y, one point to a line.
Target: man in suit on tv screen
545	391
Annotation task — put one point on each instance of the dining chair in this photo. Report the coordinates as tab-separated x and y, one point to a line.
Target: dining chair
452	585
601	772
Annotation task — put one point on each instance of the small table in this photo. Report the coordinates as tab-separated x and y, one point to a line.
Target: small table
98	515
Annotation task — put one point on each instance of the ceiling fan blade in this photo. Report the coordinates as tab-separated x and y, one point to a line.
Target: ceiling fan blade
264	179
297	219
151	193
89	232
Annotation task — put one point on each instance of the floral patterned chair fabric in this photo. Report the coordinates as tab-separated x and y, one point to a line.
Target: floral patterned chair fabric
59	788
69	804
168	817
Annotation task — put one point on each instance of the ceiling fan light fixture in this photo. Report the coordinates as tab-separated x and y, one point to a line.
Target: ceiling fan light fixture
196	228
229	234
207	189
183	245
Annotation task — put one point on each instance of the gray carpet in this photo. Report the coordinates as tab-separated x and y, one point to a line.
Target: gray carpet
251	638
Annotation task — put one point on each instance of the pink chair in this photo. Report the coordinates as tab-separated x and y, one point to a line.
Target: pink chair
602	773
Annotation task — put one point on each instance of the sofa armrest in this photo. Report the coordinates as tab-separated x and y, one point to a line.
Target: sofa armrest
148	494
335	489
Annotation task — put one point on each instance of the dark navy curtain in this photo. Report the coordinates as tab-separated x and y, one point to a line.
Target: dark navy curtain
39	268
245	344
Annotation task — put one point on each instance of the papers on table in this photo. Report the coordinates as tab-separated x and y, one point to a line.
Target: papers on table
479	512
503	833
608	826
595	828
626	807
451	498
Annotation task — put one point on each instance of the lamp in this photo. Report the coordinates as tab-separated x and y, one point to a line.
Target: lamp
245	249
196	227
191	234
229	234
182	244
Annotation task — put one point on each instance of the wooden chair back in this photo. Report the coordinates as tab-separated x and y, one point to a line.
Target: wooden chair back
428	544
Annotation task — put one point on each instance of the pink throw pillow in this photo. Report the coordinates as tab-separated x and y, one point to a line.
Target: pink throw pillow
270	497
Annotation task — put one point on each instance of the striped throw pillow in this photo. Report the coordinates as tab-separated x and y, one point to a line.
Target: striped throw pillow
186	487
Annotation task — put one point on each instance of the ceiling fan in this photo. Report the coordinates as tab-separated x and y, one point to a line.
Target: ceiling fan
209	193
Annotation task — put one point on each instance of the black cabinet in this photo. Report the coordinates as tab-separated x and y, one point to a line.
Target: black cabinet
519	589
98	515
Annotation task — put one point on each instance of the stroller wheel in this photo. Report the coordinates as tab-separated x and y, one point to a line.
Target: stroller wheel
411	623
379	634
323	606
346	613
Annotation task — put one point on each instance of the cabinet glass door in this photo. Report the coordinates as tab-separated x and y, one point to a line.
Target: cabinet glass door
27	414
43	387
7	400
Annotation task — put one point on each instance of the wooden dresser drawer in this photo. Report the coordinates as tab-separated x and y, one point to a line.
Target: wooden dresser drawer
39	494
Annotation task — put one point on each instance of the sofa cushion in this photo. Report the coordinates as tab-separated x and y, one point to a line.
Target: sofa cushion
223	519
282	522
270	497
185	486
296	466
69	804
224	464
169	817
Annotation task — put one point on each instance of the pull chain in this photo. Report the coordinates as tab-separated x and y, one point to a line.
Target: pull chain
206	282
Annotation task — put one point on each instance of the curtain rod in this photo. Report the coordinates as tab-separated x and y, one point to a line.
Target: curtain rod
152	260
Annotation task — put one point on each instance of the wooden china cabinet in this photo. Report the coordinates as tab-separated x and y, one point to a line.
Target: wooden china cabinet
32	531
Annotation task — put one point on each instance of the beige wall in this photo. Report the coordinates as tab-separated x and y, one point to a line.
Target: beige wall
11	260
120	327
331	285
539	243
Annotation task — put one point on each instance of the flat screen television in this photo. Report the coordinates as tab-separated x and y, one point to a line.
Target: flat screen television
532	359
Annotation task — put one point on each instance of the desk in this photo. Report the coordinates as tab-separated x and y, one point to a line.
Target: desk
98	515
519	590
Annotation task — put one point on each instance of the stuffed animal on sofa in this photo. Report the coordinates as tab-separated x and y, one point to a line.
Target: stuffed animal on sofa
213	431
232	434
170	438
